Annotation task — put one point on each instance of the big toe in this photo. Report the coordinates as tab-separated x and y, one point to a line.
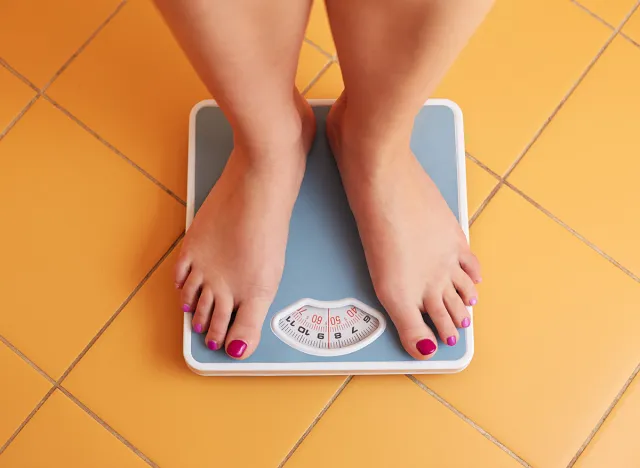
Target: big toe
244	335
416	337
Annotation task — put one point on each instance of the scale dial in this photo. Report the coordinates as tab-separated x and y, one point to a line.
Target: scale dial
328	328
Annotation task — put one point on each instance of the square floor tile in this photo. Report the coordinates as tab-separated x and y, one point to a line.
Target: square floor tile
328	86
616	443
479	185
62	434
135	88
390	421
549	359
318	29
21	388
15	95
584	168
37	37
135	378
516	69
310	63
83	227
612	11
632	28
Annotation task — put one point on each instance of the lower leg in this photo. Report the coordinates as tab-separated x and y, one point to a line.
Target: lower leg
396	53
392	58
246	53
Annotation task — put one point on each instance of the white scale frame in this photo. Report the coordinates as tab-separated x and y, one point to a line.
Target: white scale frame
242	368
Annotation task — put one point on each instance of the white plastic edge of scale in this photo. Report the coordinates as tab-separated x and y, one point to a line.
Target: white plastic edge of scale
241	368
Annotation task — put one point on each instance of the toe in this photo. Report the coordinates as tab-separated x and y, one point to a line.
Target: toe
222	311
465	287
244	335
457	310
182	268
203	310
416	337
471	266
434	306
191	291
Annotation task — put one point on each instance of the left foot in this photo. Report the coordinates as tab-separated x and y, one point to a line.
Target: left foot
233	253
418	257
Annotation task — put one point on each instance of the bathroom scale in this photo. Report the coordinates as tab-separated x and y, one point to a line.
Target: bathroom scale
325	318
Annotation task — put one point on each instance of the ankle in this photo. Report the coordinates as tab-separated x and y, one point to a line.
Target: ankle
281	135
364	148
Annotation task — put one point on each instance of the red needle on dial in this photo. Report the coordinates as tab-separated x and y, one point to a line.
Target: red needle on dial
328	330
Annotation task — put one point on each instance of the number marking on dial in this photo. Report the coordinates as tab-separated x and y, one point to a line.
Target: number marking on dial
328	328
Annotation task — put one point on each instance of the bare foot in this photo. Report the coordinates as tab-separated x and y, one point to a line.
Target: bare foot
233	253
418	257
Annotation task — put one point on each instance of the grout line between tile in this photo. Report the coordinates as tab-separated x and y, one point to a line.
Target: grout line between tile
604	417
549	214
485	202
117	312
27	360
495	175
629	39
503	179
466	419
27	419
592	14
17	118
106	426
318	48
603	21
57	384
574	232
18	75
316	78
80	49
556	110
575	86
28	82
315	421
488	198
114	149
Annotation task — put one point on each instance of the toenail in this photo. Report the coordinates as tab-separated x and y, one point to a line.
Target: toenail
473	301
177	285
426	347
186	308
198	328
212	345
236	348
466	322
451	341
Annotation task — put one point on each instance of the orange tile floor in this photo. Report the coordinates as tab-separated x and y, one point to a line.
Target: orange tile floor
94	99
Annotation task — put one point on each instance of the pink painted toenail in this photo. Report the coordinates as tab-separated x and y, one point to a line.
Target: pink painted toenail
186	308
177	285
473	301
236	348
451	341
466	322
198	328
426	347
212	345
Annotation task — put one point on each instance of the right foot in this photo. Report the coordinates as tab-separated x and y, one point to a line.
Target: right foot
418	256
233	253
